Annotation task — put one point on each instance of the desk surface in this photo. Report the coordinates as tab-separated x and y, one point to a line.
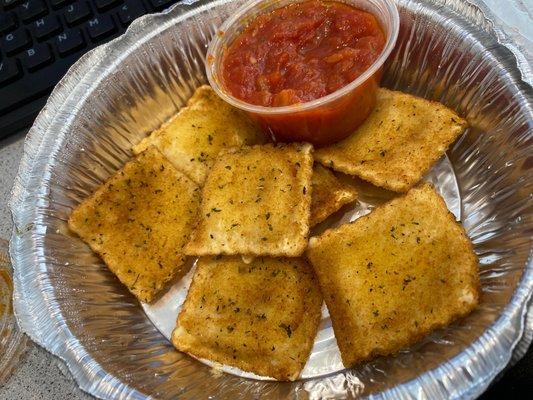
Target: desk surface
42	376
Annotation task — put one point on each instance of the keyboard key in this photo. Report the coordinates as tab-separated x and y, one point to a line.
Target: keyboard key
9	70
7	22
42	49
31	9
46	26
161	4
15	41
69	41
59	3
10	3
77	12
105	4
37	57
130	10
101	27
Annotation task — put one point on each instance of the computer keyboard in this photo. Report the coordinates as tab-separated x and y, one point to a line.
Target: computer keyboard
41	39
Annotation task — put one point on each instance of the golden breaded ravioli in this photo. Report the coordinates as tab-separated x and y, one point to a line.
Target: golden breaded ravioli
393	276
261	317
139	222
329	194
398	143
193	137
256	201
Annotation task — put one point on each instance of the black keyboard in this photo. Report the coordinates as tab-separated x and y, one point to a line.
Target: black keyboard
41	39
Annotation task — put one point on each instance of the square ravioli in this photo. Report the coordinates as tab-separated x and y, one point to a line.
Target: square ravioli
398	143
261	317
329	194
193	137
394	275
256	201
139	221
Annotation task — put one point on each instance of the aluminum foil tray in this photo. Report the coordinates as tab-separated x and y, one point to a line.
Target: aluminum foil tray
68	302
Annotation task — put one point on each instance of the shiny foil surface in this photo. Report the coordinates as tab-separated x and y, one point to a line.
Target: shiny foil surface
68	302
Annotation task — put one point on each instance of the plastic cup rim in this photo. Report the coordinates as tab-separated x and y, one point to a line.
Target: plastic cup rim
217	42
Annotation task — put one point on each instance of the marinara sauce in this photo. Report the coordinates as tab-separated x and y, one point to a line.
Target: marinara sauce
301	52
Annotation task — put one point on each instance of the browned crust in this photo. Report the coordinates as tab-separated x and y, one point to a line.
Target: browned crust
263	316
256	201
398	143
329	194
379	317
192	138
142	246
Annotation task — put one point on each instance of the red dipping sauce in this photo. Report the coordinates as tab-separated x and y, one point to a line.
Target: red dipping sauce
301	52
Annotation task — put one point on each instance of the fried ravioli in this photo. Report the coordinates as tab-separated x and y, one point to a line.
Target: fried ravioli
329	194
398	143
261	317
193	137
256	201
393	276
139	222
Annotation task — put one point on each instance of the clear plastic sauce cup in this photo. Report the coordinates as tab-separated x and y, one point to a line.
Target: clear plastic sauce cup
322	121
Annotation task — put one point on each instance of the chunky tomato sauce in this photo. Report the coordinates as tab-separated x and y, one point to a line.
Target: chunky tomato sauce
301	52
